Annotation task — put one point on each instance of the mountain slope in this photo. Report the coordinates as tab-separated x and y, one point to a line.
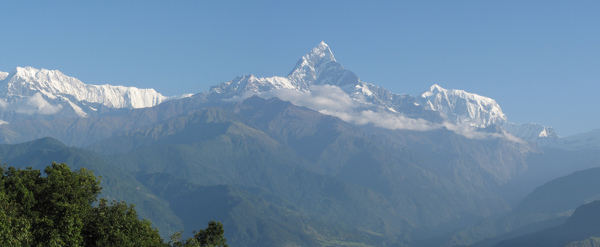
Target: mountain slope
582	225
547	205
87	131
253	216
375	167
218	150
386	181
116	183
544	135
562	194
585	141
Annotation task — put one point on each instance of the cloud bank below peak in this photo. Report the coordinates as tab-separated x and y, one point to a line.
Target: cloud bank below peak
334	101
31	105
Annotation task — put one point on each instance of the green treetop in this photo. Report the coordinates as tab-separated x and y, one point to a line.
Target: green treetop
56	210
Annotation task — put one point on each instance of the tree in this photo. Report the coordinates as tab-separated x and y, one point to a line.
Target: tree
14	230
63	202
212	236
56	210
49	210
117	224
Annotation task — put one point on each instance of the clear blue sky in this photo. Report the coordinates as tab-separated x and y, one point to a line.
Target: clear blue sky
539	59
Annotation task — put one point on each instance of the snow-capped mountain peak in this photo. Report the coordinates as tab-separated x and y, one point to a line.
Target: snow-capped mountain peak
458	106
53	83
251	84
53	88
319	54
318	67
319	82
434	89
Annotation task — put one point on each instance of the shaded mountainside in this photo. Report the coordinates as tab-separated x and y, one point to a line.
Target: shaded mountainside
254	218
299	177
582	228
389	183
343	162
546	206
117	184
563	194
248	213
83	132
403	165
242	156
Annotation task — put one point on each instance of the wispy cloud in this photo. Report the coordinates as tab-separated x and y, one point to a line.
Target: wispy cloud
477	133
35	104
332	100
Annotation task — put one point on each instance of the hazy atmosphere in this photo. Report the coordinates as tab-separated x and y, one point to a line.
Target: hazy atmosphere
307	123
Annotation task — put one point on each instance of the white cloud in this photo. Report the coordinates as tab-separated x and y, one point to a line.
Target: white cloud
475	133
332	100
35	104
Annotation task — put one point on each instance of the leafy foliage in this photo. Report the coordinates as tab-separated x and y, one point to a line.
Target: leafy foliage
117	224
49	210
56	210
212	236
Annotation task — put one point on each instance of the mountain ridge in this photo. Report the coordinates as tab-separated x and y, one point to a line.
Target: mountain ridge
318	81
55	82
394	166
478	111
318	77
52	90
